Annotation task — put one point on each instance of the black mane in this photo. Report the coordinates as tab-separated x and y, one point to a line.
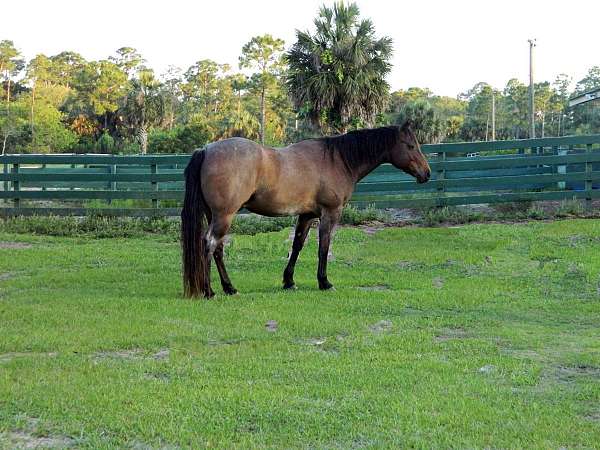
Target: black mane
362	146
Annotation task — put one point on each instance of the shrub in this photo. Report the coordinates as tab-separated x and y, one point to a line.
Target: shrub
536	212
90	226
178	140
451	215
85	144
570	208
512	207
253	224
160	141
352	215
106	143
102	226
130	147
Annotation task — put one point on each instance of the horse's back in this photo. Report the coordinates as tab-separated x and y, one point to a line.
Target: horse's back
237	150
231	172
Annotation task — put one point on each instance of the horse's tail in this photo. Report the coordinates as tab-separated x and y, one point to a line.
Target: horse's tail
193	217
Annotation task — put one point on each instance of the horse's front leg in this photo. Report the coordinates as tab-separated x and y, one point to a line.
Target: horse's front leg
329	219
302	229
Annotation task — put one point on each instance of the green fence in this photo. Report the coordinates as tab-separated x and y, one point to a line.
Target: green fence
463	173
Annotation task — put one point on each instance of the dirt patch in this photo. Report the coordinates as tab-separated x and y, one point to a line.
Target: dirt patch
216	342
370	230
6	276
271	326
134	353
523	353
438	282
377	287
120	354
13	245
381	326
6	357
163	353
450	334
316	341
487	369
139	445
158	376
410	265
404	215
27	440
578	240
565	377
571	373
594	416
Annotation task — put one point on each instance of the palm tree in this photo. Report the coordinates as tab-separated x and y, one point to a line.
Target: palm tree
429	128
240	124
144	106
336	76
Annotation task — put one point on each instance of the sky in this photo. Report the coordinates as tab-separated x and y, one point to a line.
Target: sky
446	46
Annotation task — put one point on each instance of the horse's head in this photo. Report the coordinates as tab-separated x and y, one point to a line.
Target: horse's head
406	154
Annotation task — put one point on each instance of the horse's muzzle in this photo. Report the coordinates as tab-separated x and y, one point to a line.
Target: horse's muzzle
424	175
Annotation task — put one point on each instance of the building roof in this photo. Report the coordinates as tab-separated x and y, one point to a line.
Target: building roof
593	94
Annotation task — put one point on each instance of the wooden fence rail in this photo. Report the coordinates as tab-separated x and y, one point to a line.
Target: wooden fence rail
498	171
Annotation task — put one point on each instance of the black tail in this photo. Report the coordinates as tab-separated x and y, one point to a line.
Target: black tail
193	218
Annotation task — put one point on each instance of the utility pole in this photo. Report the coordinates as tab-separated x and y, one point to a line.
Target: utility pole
493	115
531	91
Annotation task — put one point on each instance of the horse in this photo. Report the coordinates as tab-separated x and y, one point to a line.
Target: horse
312	179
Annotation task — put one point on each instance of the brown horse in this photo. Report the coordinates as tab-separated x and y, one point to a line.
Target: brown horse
312	179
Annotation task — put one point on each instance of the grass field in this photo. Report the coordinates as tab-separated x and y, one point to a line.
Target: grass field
480	336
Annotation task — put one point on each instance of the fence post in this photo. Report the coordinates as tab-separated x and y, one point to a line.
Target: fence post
6	185
561	169
16	186
441	176
72	188
588	179
44	185
112	184
154	171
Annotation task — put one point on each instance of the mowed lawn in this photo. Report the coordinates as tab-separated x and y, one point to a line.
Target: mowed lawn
480	336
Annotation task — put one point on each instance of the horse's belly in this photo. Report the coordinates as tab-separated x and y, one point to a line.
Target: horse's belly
273	205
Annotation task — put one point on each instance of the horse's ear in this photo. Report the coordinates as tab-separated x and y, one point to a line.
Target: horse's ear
409	124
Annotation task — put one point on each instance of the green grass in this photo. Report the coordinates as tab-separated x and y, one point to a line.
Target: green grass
479	336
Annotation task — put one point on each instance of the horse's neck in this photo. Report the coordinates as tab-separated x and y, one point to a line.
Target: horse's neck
366	168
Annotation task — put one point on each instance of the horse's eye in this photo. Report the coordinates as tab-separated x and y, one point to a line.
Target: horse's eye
411	147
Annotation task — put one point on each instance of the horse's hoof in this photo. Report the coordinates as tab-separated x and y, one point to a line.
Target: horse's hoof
210	294
290	287
326	287
230	291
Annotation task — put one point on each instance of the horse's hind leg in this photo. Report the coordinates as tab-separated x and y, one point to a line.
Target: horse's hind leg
225	281
219	225
302	229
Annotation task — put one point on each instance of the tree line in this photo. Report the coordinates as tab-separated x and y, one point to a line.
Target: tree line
332	79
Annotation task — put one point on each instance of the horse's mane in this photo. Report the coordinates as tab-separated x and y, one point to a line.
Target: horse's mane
361	146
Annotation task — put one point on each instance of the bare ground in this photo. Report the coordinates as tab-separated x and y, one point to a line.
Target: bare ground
14	245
